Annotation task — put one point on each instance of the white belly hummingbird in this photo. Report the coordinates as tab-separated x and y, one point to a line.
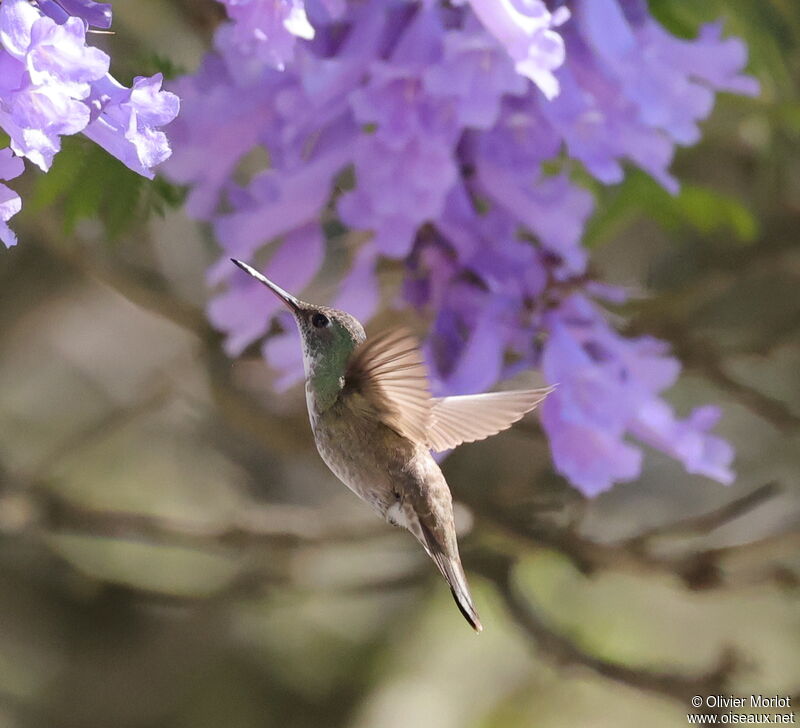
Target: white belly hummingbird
375	424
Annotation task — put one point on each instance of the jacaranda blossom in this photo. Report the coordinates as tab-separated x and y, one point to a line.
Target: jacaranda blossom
126	121
443	136
96	15
46	72
525	29
10	202
53	84
266	29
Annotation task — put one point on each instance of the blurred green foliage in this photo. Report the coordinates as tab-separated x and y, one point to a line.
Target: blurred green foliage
87	183
703	210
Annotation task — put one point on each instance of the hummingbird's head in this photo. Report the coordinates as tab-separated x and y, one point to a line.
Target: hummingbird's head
329	335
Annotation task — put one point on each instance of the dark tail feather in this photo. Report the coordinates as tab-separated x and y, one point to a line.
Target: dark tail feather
452	570
464	604
454	573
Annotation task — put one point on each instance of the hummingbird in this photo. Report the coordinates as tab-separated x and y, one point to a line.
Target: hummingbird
375	424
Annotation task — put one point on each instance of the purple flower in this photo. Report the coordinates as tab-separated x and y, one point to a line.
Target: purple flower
480	362
607	388
686	440
215	106
278	201
600	127
403	159
125	121
396	104
670	82
358	292
551	207
591	459
46	71
525	29
398	189
52	83
266	29
97	15
10	202
475	74
631	91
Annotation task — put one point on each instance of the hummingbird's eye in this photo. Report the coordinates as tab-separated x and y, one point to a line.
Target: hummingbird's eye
319	320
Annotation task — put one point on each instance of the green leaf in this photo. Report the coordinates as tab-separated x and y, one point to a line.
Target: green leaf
701	209
156	63
88	183
678	18
636	196
147	64
710	211
60	179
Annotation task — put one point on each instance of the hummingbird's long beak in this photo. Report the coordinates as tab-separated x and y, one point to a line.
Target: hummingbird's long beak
286	297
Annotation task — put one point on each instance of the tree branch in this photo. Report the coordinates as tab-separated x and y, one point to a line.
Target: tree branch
701	569
707	522
559	649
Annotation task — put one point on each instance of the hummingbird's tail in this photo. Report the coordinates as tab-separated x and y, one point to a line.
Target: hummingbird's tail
454	573
452	570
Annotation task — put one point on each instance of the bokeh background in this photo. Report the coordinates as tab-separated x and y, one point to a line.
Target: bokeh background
174	553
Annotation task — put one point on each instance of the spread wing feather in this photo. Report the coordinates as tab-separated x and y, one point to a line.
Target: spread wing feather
388	371
474	417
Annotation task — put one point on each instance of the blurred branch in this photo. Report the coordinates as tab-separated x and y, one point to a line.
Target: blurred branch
139	285
700	569
150	292
558	648
291	526
666	316
706	522
785	333
41	511
264	525
704	357
83	438
28	505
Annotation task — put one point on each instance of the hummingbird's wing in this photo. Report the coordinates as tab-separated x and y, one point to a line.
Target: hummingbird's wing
389	373
476	416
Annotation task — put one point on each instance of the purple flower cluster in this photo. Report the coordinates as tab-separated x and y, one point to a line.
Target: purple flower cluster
265	30
52	84
448	133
